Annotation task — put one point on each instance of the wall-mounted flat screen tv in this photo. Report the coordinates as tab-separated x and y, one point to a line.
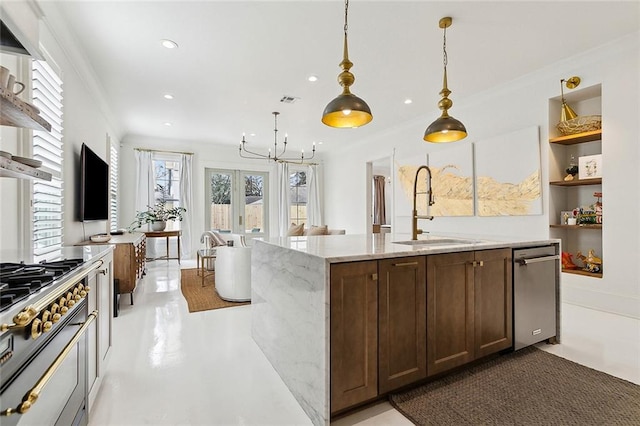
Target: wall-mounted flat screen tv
94	186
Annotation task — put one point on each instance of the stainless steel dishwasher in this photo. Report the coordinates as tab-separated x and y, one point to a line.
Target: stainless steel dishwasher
535	278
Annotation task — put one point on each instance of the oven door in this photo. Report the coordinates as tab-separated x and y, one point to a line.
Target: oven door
55	377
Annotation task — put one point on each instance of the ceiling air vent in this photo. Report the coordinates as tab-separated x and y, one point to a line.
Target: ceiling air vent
288	99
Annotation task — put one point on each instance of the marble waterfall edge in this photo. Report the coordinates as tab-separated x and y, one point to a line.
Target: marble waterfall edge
290	321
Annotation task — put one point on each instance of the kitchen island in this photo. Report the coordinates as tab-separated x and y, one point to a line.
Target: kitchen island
346	319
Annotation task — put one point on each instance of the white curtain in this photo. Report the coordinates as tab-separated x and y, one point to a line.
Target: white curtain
284	198
145	187
186	194
314	210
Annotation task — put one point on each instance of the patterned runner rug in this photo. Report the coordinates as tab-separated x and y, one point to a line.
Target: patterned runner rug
527	387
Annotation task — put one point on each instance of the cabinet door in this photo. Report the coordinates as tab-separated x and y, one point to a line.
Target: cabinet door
354	333
402	334
92	338
493	289
450	319
104	292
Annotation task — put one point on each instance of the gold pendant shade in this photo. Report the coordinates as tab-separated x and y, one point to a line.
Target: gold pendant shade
445	128
347	110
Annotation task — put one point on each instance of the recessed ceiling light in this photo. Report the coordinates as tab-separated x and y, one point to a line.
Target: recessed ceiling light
169	44
168	96
252	134
319	143
168	124
408	101
312	78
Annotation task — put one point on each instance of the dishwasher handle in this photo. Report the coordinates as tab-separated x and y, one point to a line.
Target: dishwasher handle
524	262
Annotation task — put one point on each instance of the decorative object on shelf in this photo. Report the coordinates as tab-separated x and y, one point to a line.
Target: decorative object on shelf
592	263
572	170
347	110
100	238
157	216
585	215
584	123
275	156
590	166
597	206
567	261
445	128
565	216
11	85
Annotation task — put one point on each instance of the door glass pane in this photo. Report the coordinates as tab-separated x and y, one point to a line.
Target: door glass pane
167	190
220	202
254	203
298	197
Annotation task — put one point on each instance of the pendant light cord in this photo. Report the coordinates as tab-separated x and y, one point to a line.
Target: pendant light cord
444	49
346	13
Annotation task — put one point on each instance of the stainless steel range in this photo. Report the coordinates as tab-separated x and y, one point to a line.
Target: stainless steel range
43	321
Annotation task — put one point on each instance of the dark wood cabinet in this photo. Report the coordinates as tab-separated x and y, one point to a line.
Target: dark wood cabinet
354	333
493	301
397	321
402	288
469	307
450	318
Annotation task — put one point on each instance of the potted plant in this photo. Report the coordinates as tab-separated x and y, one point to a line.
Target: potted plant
157	216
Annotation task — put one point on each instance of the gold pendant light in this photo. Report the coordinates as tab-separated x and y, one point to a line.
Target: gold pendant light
347	110
445	128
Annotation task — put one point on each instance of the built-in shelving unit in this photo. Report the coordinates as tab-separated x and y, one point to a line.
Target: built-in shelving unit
10	168
16	113
569	195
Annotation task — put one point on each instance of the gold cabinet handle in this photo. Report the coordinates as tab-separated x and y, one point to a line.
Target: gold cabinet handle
374	277
406	264
476	263
32	396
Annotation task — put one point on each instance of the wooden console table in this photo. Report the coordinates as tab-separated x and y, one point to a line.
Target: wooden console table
166	235
128	259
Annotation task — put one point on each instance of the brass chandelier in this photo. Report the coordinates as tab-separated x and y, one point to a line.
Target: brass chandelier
445	128
275	155
347	110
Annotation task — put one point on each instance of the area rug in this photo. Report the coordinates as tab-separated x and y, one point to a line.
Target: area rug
201	298
527	387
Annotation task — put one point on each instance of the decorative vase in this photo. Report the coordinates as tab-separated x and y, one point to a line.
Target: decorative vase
158	225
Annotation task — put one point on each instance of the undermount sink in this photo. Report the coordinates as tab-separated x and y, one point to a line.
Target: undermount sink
434	242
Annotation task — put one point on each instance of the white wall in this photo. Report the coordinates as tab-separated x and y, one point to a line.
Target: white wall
515	105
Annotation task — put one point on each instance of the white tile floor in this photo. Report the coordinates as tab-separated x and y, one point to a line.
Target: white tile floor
170	367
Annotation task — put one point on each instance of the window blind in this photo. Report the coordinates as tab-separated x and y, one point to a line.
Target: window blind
113	186
47	197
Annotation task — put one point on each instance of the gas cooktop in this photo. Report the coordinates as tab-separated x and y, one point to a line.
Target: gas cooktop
19	280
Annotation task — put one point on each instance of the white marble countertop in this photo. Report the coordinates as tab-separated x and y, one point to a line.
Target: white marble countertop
348	248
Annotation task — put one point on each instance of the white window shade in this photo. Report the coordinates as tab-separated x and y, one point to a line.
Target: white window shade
48	197
113	186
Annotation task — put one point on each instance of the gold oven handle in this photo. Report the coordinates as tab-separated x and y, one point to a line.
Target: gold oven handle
32	396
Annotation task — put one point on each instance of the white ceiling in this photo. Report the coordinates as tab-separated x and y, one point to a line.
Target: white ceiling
237	59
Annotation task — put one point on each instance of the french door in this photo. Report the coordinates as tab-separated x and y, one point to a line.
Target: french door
237	202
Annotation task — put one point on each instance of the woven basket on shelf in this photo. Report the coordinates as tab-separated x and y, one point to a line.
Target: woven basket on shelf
582	123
